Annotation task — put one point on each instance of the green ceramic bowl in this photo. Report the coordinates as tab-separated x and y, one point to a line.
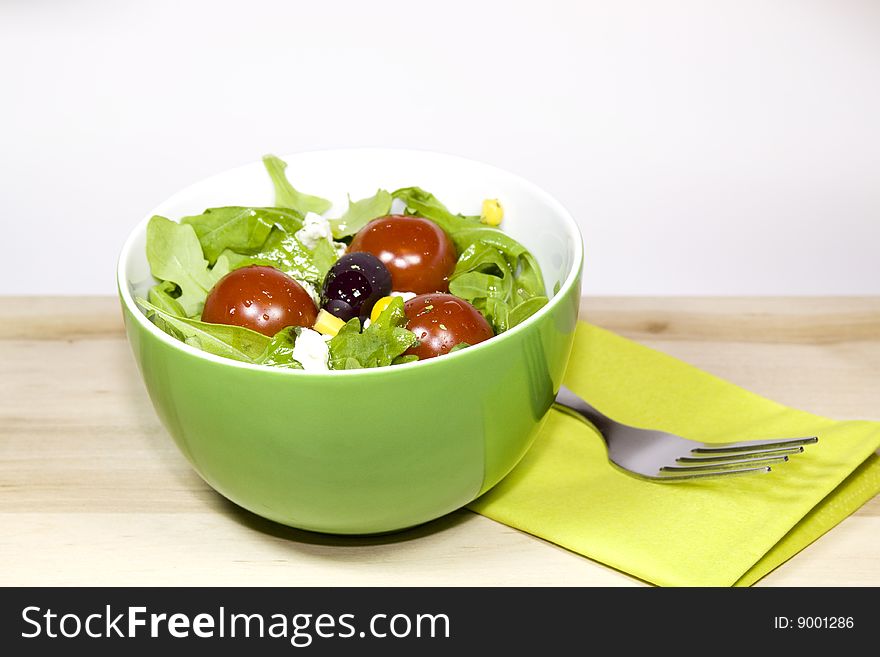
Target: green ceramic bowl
364	451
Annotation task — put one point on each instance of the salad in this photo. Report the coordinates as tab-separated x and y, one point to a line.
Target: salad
397	278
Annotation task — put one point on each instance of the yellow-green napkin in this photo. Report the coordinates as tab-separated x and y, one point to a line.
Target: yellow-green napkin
718	532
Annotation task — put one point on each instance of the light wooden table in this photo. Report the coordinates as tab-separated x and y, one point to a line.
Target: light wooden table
93	491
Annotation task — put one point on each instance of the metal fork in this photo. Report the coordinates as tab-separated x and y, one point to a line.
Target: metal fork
662	456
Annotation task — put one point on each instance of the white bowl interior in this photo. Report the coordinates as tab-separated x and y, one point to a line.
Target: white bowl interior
531	216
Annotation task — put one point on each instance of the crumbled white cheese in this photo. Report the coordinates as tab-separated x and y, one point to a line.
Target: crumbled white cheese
367	323
311	351
398	206
406	296
308	287
315	228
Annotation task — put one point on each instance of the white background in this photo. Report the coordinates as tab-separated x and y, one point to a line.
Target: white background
705	147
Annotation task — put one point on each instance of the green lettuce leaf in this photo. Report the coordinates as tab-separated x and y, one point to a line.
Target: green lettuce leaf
279	351
286	196
380	344
235	342
175	255
240	229
360	213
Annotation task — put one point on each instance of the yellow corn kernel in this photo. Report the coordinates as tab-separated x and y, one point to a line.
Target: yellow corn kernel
492	213
328	324
381	305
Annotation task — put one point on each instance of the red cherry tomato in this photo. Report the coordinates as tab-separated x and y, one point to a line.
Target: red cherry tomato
419	255
441	321
259	298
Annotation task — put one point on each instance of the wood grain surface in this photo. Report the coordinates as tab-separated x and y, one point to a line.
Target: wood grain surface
93	491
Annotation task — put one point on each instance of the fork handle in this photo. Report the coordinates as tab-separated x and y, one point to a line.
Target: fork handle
578	404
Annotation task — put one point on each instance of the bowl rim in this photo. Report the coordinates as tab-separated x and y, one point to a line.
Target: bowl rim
128	301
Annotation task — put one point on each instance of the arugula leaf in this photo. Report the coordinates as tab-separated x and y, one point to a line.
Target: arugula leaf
350	349
496	312
286	253
324	256
379	345
161	296
484	275
286	196
528	279
482	270
392	317
235	342
525	310
477	285
279	351
175	255
360	213
459	347
240	229
425	204
164	297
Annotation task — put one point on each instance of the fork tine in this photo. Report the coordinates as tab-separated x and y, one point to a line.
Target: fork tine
724	466
715	474
753	445
739	456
